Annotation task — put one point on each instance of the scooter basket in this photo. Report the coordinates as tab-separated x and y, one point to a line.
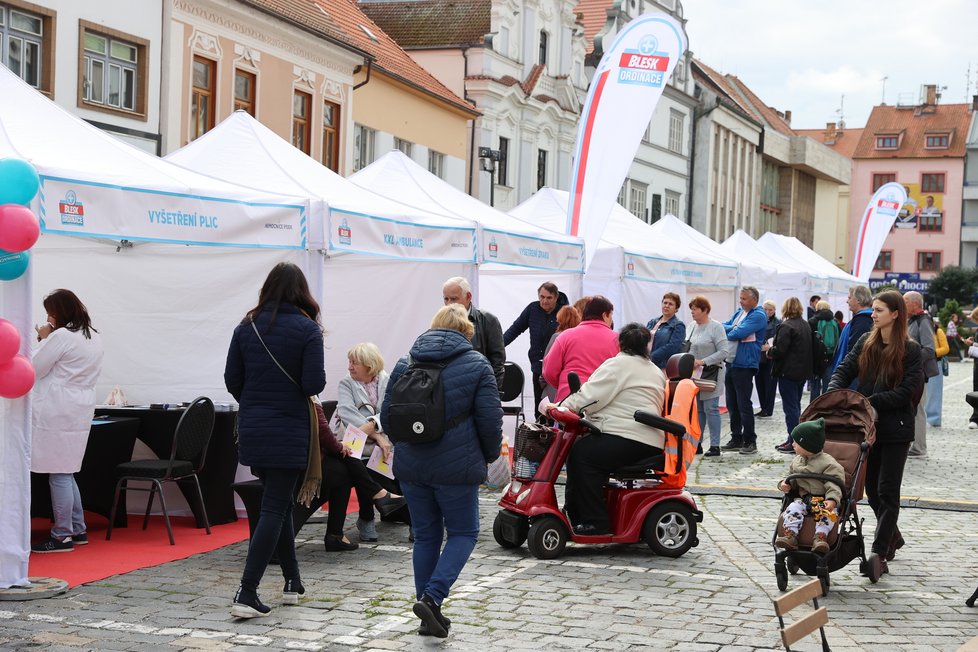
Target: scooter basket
532	442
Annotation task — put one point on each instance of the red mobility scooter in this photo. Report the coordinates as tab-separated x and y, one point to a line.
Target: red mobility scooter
647	500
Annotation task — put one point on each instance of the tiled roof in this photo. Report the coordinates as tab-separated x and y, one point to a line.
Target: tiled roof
721	85
342	20
738	92
913	125
842	141
592	14
531	80
431	23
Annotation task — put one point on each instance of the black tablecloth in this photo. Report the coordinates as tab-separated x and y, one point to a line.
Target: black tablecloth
110	442
156	430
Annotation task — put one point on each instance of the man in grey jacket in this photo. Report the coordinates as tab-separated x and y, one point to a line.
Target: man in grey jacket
488	338
920	328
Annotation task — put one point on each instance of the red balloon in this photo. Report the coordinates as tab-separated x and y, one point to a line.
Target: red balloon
16	377
9	341
19	229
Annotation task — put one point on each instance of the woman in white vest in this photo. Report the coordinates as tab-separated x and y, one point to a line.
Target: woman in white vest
66	365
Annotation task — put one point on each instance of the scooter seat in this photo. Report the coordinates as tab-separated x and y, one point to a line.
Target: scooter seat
646	468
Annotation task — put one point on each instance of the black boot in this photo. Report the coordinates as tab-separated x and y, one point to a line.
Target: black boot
247	605
430	615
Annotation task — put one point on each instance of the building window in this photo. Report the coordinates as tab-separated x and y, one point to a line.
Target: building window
27	44
113	72
928	261
203	97
331	136
880	180
363	146
544	41
930	220
622	193
672	203
637	197
541	168
656	212
244	91
647	136
932	182
301	110
403	146
502	167
887	142
436	163
884	262
937	141
676	122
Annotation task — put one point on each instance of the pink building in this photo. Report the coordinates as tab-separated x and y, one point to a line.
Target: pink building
923	148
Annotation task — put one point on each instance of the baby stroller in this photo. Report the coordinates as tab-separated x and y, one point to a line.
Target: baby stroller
849	421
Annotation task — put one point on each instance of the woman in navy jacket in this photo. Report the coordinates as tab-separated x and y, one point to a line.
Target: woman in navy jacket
668	332
273	417
441	479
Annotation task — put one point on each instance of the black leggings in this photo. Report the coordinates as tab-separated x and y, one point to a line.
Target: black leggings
340	475
884	477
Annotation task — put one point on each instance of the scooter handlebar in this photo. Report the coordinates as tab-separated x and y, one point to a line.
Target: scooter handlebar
570	418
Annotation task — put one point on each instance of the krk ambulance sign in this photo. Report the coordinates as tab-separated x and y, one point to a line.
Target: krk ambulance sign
881	212
621	100
74	207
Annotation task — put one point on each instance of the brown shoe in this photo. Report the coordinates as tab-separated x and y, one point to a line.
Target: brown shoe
820	544
787	540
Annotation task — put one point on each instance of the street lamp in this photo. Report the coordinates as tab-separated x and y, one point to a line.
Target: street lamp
487	163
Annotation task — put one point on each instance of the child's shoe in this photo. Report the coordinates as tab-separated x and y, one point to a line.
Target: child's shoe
820	544
787	540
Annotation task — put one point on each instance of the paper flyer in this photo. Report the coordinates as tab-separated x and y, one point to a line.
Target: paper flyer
355	439
379	464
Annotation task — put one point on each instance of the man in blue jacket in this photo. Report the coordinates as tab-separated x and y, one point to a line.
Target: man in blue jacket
540	317
746	330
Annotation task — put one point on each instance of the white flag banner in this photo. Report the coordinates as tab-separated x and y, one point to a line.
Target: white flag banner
878	219
625	89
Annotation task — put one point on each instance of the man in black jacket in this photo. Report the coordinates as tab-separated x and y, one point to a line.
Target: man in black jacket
488	338
540	317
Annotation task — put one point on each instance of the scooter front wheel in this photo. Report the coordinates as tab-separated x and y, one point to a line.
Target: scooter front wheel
499	534
547	537
670	529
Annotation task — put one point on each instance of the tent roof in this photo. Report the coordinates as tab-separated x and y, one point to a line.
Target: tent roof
797	250
791	273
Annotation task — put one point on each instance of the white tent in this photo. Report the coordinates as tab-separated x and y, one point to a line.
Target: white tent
515	256
791	279
397	256
636	263
833	284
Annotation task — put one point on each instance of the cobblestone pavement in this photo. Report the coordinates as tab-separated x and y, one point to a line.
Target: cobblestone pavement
716	597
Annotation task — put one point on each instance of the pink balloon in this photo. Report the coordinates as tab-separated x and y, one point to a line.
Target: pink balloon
19	229
16	377
9	341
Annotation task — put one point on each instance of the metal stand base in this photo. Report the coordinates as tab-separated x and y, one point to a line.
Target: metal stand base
39	587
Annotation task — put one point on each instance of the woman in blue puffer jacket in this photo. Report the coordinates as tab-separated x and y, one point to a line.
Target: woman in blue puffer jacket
441	479
273	418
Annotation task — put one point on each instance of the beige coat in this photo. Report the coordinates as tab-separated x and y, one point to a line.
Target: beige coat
821	463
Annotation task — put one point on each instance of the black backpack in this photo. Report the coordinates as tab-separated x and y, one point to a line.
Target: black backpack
416	411
821	357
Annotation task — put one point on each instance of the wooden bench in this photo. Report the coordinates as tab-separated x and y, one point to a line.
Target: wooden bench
804	626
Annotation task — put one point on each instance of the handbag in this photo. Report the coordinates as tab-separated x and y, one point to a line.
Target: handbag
684	347
711	372
532	441
945	367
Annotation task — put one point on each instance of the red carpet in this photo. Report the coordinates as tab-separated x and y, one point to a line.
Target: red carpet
131	547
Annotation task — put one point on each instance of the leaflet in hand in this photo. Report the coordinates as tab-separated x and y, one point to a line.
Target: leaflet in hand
355	439
379	464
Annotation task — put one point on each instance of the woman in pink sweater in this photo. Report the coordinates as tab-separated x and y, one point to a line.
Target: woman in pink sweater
583	348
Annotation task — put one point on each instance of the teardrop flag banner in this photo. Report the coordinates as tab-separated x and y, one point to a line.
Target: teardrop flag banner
620	102
878	219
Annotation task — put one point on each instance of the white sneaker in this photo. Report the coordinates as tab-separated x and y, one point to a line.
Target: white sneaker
972	425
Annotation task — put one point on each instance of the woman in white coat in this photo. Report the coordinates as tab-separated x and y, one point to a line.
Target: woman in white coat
359	398
67	366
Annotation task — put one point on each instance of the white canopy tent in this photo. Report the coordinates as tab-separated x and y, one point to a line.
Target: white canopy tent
636	263
122	229
395	256
791	278
833	285
515	256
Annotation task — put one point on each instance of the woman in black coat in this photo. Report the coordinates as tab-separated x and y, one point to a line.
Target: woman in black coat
275	362
791	364
886	363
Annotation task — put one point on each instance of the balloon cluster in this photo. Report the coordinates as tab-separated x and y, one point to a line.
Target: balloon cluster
19	230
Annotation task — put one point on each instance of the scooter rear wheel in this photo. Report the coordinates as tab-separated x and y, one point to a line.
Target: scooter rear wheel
546	538
670	529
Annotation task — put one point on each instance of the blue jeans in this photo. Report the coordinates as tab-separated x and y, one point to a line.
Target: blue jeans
274	532
767	387
66	506
820	383
791	391
436	508
935	398
709	415
739	387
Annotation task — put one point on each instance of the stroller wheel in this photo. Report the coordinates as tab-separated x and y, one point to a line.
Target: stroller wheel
792	565
781	575
823	577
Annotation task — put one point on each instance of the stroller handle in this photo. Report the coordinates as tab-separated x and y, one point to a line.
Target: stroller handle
817	476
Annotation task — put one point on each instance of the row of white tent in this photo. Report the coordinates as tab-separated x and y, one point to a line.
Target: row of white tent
377	247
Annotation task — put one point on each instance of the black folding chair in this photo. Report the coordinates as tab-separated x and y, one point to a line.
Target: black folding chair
512	389
186	460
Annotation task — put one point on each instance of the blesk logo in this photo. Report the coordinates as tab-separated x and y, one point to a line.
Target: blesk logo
71	210
644	65
344	232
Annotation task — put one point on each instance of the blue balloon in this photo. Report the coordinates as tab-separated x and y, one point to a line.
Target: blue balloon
18	181
13	265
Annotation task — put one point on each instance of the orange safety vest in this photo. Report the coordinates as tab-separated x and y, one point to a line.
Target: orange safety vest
683	410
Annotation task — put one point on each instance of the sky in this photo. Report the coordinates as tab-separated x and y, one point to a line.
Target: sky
804	55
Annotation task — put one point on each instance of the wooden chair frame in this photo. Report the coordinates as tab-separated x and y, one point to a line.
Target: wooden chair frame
804	626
